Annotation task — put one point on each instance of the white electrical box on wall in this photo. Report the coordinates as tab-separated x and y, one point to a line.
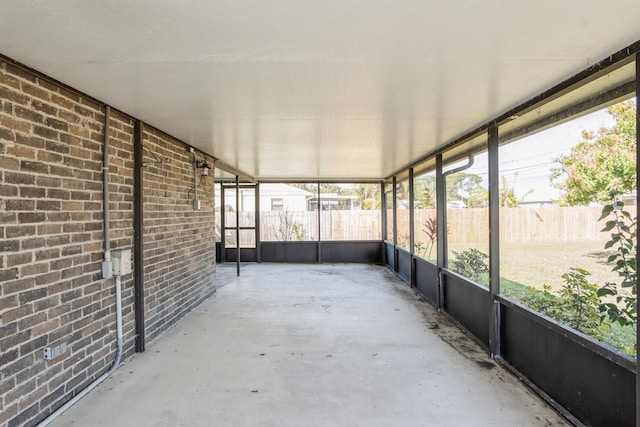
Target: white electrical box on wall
121	262
51	353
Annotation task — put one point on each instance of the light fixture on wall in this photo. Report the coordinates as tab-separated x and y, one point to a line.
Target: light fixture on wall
204	171
202	165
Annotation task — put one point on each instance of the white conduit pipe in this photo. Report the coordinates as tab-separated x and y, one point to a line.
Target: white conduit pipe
104	376
106	264
106	270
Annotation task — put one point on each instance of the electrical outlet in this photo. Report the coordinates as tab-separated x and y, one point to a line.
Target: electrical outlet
51	353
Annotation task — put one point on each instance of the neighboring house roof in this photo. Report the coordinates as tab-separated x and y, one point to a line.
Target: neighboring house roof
334	196
282	190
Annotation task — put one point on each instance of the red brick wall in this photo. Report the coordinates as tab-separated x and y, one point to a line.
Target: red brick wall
51	240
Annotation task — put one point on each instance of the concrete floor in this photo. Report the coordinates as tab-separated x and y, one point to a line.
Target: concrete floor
311	345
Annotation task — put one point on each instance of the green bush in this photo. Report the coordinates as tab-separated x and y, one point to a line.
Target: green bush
581	302
470	263
544	302
576	304
623	229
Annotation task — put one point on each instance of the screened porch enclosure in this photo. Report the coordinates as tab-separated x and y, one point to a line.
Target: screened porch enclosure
289	227
497	232
481	156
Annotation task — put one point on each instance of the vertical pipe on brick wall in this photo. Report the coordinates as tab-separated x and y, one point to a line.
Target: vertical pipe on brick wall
106	263
106	273
138	234
75	399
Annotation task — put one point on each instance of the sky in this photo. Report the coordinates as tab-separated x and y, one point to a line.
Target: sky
527	163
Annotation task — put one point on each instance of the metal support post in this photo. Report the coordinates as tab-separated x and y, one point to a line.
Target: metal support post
395	224
257	223
494	242
138	235
237	225
637	210
441	215
223	225
412	279
383	216
319	228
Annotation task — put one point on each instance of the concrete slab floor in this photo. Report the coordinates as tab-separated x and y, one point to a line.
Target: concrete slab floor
312	345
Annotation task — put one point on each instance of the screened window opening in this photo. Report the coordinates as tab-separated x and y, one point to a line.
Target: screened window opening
467	198
402	214
425	214
287	212
388	198
568	210
350	212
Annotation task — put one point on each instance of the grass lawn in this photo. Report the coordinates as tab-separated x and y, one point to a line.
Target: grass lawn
540	264
523	267
544	264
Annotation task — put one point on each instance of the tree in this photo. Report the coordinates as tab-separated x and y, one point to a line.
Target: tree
508	198
367	196
602	162
468	188
425	192
471	264
288	229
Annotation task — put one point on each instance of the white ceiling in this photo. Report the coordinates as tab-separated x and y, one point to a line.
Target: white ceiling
330	89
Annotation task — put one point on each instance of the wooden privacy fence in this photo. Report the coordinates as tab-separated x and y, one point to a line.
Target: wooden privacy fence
543	224
303	225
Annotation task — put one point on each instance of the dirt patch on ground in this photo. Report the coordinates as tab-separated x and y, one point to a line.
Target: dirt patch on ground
459	340
444	327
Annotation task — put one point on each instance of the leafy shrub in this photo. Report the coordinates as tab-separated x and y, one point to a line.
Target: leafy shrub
576	304
544	302
430	229
288	229
580	302
470	263
623	238
608	313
